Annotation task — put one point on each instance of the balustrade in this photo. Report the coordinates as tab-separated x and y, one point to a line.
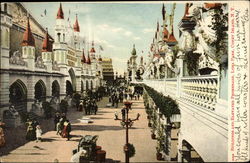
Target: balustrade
199	90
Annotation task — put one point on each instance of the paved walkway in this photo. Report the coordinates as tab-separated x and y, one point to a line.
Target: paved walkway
111	138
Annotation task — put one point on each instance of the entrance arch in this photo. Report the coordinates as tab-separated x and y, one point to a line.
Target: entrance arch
69	88
40	91
189	154
91	85
82	86
73	79
18	95
87	85
55	89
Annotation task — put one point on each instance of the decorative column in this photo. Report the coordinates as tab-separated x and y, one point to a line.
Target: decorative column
30	92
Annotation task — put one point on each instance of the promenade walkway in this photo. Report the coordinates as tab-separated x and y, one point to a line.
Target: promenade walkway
111	138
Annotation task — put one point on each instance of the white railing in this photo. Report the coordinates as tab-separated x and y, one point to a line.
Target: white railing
199	90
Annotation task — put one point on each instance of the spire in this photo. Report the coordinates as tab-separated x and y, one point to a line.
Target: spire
60	14
88	60
92	50
157	26
28	39
76	25
186	12
163	12
46	43
133	51
83	57
165	34
171	38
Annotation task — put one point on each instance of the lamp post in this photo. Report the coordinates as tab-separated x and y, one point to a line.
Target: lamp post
127	123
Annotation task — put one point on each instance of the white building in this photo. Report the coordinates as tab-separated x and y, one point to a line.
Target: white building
193	72
36	66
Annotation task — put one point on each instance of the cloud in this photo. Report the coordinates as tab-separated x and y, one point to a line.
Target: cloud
113	29
148	30
136	38
127	33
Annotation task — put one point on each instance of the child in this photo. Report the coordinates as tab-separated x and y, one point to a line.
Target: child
38	133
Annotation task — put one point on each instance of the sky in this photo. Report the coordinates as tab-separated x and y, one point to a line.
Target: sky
115	26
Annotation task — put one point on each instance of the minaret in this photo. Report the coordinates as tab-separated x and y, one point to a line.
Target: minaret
28	47
47	52
77	34
133	64
60	46
171	39
92	51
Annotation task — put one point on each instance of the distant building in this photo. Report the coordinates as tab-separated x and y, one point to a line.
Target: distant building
107	69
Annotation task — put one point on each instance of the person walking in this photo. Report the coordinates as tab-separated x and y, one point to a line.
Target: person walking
38	133
30	134
81	105
67	129
56	119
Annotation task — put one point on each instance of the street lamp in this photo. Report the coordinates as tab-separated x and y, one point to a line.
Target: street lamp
128	123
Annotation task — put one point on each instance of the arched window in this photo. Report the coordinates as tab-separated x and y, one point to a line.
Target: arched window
63	37
58	37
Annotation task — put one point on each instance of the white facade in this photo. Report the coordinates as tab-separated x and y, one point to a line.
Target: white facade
22	73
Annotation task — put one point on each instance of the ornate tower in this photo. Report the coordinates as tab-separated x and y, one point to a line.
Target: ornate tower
133	64
60	46
76	34
28	47
47	52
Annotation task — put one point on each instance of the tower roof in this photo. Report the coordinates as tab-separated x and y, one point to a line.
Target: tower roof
92	50
83	57
171	38
76	26
163	12
46	43
186	12
28	39
88	61
133	51
165	34
212	5
60	14
157	26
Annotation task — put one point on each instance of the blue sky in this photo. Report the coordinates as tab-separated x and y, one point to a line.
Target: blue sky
115	26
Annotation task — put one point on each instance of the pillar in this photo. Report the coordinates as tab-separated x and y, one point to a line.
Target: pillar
30	92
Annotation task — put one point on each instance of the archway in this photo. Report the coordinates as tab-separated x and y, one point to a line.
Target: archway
18	95
87	85
189	154
40	91
69	88
55	89
82	86
91	85
73	79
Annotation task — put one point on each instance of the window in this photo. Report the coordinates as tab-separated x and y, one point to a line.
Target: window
58	37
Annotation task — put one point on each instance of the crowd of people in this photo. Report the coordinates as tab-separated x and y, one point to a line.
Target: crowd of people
34	131
62	125
118	94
